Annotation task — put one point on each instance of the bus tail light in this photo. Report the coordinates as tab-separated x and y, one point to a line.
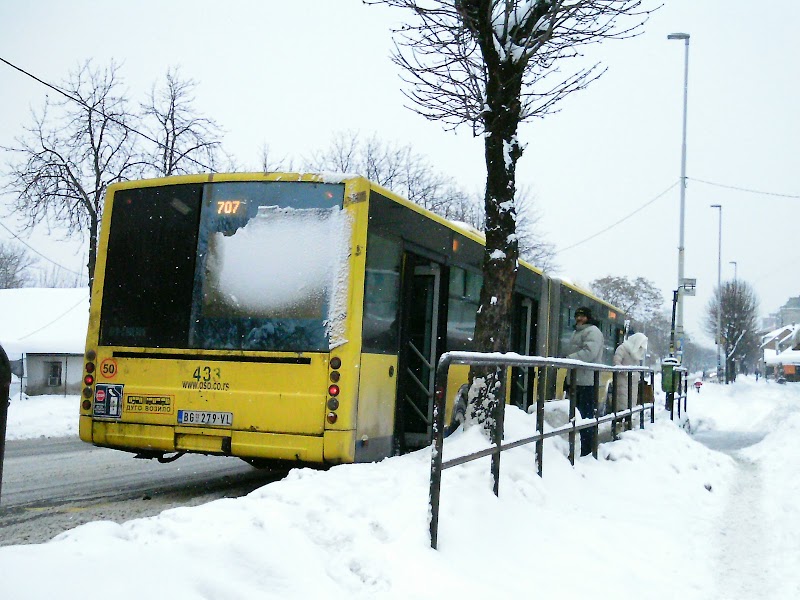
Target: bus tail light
332	417
333	404
90	356
88	380
336	362
333	390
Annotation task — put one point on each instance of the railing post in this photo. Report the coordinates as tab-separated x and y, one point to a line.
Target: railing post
539	421
499	417
629	418
614	394
653	387
437	447
5	384
679	388
640	396
596	428
671	404
573	389
685	391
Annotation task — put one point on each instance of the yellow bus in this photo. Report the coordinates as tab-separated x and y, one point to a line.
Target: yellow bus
291	319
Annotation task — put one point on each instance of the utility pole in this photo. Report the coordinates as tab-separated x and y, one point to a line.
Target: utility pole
719	295
681	246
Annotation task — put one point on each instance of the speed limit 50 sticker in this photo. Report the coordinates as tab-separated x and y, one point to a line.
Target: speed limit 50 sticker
108	368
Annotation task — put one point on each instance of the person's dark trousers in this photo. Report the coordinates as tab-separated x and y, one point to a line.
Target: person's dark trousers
586	404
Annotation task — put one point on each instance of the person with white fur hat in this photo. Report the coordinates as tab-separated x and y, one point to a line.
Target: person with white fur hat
631	352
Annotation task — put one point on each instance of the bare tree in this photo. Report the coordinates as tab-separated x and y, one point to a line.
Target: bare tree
492	64
55	276
739	333
74	150
410	174
533	244
639	298
183	141
657	329
268	162
394	166
15	266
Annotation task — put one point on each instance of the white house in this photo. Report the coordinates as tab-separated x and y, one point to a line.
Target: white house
45	330
782	352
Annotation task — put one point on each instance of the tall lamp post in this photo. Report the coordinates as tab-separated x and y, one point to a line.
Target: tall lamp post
679	315
719	294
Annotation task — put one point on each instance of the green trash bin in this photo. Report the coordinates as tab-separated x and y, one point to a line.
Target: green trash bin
669	377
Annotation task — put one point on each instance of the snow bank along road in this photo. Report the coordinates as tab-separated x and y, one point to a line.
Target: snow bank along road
53	484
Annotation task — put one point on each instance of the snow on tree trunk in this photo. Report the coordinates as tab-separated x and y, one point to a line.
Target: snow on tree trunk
493	323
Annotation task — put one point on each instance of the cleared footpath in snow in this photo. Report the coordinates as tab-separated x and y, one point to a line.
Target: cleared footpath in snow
758	534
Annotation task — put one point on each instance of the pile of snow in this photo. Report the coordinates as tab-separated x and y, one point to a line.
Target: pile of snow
647	520
41	416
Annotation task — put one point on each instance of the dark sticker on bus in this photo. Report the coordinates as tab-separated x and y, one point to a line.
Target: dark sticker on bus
148	404
108	400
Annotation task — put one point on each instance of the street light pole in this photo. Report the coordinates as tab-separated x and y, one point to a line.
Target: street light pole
679	316
719	294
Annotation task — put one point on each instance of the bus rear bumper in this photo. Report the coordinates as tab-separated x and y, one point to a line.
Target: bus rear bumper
334	447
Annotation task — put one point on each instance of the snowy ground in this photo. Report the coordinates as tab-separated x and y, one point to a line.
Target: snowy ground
35	416
665	514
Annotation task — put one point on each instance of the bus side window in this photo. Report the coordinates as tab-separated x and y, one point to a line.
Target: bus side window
463	300
381	295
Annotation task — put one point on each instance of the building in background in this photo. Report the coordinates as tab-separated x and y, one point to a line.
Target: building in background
43	330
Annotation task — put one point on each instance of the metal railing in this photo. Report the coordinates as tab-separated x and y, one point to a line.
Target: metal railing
511	360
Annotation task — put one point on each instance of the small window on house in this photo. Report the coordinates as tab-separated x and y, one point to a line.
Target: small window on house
53	374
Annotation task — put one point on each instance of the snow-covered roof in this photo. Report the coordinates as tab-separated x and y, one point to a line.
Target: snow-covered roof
787	357
788	335
44	320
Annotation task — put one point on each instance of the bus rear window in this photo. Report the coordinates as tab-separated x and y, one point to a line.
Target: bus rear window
270	258
150	265
249	266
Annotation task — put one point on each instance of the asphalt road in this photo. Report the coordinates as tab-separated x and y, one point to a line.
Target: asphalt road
52	485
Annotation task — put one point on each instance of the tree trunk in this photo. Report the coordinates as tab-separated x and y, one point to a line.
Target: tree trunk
493	323
92	261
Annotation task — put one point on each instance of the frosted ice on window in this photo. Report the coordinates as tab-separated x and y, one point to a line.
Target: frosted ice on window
284	263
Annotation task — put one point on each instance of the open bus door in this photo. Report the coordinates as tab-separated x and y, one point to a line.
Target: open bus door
419	351
523	342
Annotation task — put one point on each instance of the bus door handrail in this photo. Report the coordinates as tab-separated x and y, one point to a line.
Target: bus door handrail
498	359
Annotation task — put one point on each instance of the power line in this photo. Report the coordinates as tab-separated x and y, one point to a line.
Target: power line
781	269
62	315
101	113
24	243
625	218
741	189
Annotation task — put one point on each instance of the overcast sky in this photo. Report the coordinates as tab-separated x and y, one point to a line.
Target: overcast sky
291	74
